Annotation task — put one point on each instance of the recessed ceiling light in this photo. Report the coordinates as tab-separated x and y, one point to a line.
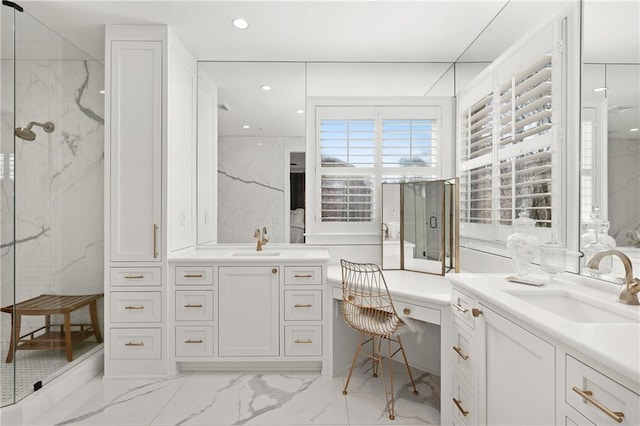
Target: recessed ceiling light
635	129
101	92
299	111
265	87
240	23
246	126
600	89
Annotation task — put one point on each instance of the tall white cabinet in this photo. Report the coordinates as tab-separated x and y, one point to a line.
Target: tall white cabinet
141	80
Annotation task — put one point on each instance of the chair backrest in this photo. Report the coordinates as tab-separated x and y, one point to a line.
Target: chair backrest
366	303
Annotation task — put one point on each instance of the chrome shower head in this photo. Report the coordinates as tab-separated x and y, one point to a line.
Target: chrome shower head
27	134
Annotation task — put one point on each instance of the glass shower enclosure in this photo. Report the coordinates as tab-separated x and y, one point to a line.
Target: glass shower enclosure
51	197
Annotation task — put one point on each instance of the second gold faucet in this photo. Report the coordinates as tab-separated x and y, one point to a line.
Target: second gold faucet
262	237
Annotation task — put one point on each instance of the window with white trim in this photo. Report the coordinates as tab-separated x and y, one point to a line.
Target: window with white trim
508	156
358	148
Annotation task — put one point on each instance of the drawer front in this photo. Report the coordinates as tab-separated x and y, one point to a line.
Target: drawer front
136	277
136	343
464	405
461	306
139	306
418	312
603	394
311	275
464	355
303	305
194	305
194	341
194	275
303	340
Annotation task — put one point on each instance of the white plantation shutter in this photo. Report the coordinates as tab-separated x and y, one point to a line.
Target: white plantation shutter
409	143
506	154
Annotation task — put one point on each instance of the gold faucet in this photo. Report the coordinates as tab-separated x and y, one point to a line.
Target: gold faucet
629	291
262	238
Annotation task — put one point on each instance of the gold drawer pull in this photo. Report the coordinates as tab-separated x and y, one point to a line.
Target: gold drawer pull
406	311
133	277
134	307
193	275
303	341
193	306
476	312
302	276
588	396
193	341
302	305
134	344
460	308
462	354
459	405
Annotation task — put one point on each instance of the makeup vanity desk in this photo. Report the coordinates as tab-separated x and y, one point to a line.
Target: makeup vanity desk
416	296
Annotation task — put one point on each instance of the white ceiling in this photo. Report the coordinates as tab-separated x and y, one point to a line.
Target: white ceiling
391	31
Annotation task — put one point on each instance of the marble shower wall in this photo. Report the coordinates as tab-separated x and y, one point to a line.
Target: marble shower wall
624	188
59	204
251	179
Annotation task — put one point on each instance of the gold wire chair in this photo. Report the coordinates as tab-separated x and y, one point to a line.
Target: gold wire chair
367	308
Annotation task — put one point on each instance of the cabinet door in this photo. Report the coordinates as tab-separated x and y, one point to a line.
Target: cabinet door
135	150
517	374
248	311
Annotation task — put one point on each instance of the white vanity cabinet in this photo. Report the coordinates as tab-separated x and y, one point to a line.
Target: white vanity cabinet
503	374
248	311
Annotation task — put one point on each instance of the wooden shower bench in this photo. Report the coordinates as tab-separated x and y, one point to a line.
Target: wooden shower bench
52	337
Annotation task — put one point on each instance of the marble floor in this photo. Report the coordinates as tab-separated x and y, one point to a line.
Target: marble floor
215	398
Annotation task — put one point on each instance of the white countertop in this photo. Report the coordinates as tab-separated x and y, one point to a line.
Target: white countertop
616	345
408	285
289	253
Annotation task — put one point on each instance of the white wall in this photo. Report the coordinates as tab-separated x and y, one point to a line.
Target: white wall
624	199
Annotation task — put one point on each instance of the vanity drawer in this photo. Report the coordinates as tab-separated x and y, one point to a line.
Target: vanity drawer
194	305
303	275
603	391
303	340
136	343
138	306
194	275
303	305
194	341
461	306
465	403
464	355
136	277
418	312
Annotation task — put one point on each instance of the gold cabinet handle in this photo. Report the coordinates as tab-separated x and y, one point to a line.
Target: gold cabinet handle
134	344
406	311
155	240
302	305
303	341
189	305
302	276
274	271
460	308
193	275
133	277
134	307
459	352
459	405
588	396
476	312
193	341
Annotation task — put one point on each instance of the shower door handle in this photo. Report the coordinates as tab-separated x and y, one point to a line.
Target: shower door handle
433	222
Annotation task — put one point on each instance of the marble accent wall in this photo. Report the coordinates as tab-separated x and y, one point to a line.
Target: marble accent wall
251	179
59	203
624	188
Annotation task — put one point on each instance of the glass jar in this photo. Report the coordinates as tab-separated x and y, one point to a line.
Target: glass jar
553	257
595	240
522	244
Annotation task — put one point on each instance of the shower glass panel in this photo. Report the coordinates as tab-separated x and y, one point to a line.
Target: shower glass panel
51	206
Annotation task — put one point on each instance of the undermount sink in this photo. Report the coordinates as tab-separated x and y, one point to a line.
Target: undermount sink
573	307
255	253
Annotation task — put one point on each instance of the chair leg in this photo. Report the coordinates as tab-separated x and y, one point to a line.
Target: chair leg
390	395
353	364
406	363
376	354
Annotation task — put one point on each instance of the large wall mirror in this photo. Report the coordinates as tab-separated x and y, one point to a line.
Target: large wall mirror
610	141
